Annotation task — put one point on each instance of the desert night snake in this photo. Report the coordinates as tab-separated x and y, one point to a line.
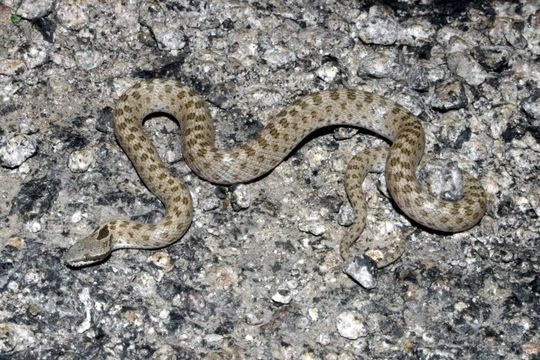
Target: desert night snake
264	152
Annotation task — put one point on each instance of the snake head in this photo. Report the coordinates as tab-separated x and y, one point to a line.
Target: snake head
90	250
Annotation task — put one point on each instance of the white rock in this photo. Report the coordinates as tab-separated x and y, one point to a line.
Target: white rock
33	9
327	72
80	160
282	296
464	66
17	150
351	325
241	196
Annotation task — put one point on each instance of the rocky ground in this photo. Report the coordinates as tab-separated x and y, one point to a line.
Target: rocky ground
258	275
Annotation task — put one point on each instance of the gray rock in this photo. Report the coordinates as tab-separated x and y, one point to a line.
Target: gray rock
313	224
464	66
88	59
33	9
17	150
209	295
73	16
241	197
346	214
379	26
35	56
381	64
363	270
415	32
169	38
449	96
164	352
494	58
531	105
11	67
278	56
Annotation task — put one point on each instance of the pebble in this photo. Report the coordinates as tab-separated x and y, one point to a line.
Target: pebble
346	214
17	150
164	352
169	37
278	56
241	197
464	66
351	325
363	270
213	339
209	203
11	67
379	26
27	126
282	296
197	302
72	16
34	226
414	32
88	59
531	105
80	160
379	64
35	56
15	337
449	96
85	299
313	224
324	339
492	57
254	318
33	9
328	72
16	242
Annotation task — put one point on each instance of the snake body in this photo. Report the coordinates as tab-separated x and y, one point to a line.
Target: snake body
261	154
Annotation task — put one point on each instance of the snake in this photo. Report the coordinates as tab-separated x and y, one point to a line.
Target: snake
261	154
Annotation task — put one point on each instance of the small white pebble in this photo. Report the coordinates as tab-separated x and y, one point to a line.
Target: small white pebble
80	160
282	296
76	217
327	72
346	215
313	314
34	226
323	339
164	314
17	150
241	196
213	338
350	325
313	224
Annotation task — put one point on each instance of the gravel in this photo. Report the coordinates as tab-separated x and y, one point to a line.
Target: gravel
258	275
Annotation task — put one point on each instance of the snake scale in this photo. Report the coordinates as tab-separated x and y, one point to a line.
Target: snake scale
264	152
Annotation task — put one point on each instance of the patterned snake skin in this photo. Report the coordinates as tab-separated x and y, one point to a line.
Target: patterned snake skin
264	152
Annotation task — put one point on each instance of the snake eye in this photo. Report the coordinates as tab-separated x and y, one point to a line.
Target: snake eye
103	233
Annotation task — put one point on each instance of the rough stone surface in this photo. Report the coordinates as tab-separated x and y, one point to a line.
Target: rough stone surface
258	275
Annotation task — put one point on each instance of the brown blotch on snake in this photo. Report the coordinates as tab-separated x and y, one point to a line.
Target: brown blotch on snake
264	152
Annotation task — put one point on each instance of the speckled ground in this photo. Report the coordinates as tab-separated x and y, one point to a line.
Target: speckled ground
258	275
